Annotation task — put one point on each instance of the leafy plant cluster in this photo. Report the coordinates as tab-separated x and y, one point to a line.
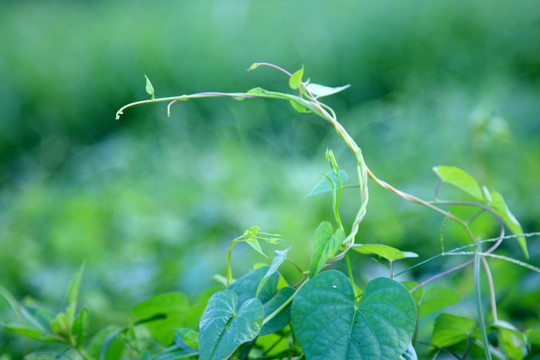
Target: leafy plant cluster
324	315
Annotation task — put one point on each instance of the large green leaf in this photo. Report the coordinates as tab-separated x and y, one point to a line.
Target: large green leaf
169	311
225	325
450	329
436	299
328	325
326	245
460	179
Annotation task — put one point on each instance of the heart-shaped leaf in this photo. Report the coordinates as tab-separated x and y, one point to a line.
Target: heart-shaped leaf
328	325
225	325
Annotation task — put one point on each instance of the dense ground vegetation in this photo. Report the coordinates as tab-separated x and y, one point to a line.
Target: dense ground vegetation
150	204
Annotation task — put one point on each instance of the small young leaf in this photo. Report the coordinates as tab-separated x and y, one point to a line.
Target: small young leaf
299	107
279	257
387	252
253	66
149	88
60	325
436	299
499	206
254	243
320	90
450	329
256	90
460	179
220	279
326	246
296	79
325	185
225	325
332	160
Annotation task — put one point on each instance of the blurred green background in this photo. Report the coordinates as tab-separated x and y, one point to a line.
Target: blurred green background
150	203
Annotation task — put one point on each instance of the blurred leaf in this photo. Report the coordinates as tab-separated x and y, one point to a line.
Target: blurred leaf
499	206
283	318
450	329
436	299
387	252
256	90
80	325
460	179
279	257
325	185
99	349
328	324
225	324
220	279
296	79
321	90
299	107
31	333
149	88
512	340
167	311
246	286
73	294
188	336
533	336
326	246
60	325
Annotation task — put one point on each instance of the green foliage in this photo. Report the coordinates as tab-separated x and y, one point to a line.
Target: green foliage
321	316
